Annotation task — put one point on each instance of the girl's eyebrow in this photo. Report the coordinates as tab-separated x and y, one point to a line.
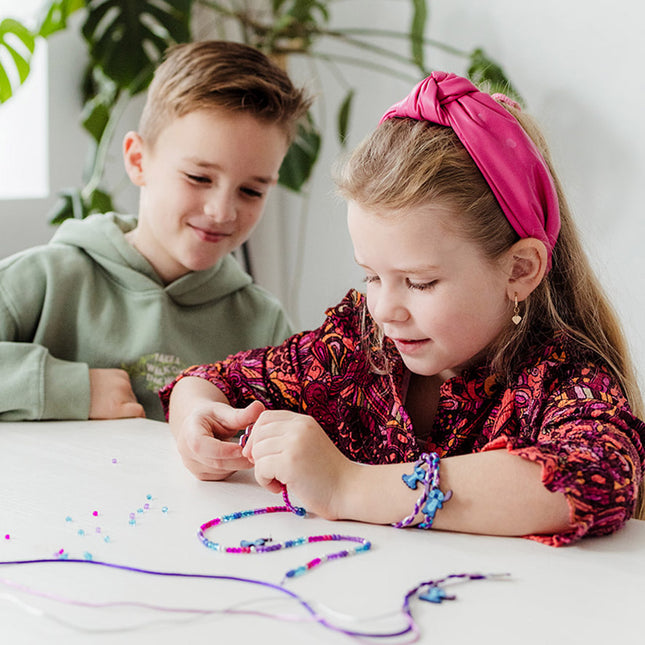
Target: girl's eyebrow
414	270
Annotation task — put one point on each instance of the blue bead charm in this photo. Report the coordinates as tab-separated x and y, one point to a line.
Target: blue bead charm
415	478
434	502
435	594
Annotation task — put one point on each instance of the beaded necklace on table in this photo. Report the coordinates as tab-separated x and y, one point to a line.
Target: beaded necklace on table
266	545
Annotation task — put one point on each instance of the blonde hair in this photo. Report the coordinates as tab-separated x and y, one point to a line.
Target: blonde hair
225	75
406	163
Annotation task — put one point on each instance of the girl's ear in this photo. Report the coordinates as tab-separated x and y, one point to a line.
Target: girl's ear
528	261
133	158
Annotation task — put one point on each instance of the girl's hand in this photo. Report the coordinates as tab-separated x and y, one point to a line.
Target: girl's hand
292	449
203	439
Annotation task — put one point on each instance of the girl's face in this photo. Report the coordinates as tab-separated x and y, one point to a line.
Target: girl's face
430	290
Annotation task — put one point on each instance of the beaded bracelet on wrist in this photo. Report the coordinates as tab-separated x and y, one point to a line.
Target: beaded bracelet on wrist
431	498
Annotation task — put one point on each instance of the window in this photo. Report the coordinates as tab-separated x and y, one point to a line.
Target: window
24	166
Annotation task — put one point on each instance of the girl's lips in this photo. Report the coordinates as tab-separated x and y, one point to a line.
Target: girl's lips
209	236
408	346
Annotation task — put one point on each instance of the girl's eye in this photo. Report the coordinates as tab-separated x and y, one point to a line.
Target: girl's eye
421	286
198	179
369	279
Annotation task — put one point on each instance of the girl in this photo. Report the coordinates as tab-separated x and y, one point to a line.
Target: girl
481	385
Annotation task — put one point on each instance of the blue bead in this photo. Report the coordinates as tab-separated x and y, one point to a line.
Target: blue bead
435	594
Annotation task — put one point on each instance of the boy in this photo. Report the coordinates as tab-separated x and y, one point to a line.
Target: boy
95	322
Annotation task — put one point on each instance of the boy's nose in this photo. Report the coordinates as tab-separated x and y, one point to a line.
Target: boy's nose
220	207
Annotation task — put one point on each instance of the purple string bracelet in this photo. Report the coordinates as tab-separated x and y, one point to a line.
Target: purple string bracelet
431	498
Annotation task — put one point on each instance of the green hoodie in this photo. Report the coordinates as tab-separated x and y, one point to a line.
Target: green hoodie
90	299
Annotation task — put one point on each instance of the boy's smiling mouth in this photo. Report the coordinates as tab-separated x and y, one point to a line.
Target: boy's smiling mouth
209	235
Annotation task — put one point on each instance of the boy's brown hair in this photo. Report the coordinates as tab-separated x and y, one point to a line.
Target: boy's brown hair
214	74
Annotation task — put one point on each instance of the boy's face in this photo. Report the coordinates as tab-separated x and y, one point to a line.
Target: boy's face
204	184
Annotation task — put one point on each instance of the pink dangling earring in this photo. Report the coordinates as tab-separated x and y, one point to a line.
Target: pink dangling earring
517	319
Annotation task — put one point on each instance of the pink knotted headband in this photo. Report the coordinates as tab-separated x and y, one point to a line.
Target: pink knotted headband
506	156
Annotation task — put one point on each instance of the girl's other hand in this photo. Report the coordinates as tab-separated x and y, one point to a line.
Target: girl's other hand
292	449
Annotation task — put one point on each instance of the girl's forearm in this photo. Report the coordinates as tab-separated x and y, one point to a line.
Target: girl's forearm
498	494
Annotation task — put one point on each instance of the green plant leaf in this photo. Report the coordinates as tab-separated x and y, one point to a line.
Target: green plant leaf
127	39
56	15
417	32
95	116
99	202
19	43
303	11
73	204
484	71
301	157
344	113
69	205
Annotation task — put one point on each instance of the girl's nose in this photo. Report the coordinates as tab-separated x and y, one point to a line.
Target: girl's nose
389	307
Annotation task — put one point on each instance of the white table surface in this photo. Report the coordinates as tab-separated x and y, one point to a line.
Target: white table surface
592	592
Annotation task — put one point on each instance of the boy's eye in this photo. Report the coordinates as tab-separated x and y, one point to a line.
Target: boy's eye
251	192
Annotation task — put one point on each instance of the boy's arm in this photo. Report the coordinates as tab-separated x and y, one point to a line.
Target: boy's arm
35	385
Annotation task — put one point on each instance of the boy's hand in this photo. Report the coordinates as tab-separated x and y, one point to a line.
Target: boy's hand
202	439
111	395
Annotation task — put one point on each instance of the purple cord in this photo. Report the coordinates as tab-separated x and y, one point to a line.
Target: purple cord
261	583
410	627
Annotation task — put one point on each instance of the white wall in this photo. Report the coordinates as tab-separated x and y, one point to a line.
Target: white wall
577	64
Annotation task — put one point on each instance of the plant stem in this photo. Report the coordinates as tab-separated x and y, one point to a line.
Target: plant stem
399	35
365	64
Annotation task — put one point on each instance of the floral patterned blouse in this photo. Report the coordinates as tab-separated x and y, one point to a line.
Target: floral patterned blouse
564	412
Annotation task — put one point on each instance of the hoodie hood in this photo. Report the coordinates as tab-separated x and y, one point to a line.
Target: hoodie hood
102	237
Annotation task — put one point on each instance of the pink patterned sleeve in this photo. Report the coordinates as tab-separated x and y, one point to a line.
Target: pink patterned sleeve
272	375
590	447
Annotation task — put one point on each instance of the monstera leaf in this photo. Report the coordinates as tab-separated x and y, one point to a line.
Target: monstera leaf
57	14
126	39
19	43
